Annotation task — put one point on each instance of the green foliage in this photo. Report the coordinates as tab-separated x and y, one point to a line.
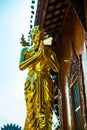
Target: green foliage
11	127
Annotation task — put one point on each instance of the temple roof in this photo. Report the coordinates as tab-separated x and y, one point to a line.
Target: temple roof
79	7
51	14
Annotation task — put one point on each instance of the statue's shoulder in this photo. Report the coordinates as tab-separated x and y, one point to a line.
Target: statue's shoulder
24	49
27	49
49	51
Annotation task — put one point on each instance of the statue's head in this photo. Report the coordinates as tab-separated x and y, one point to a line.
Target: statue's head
36	35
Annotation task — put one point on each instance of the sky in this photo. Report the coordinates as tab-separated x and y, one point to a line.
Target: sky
14	20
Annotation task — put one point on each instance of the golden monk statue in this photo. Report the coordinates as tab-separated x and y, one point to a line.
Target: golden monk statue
39	84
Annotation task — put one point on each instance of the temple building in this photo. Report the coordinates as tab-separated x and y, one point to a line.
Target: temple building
66	22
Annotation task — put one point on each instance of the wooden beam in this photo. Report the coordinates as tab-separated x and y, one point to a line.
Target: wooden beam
61	7
66	14
55	16
45	4
58	21
85	10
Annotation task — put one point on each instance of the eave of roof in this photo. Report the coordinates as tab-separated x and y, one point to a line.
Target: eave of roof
50	15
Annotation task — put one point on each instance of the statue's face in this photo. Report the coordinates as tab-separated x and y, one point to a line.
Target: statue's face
35	36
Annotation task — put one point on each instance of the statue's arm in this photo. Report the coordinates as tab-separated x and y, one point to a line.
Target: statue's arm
53	62
23	64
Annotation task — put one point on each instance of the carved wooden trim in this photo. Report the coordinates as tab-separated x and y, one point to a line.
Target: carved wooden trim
82	95
76	75
60	109
74	67
72	78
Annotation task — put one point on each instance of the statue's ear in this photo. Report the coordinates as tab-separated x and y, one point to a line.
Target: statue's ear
42	34
31	36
